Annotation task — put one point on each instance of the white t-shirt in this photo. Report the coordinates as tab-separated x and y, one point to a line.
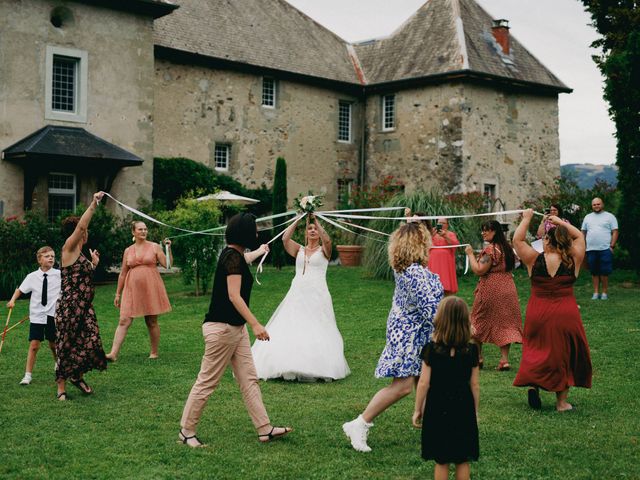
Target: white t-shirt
33	284
599	227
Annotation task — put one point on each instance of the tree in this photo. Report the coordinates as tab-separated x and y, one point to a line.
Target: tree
196	254
279	206
618	23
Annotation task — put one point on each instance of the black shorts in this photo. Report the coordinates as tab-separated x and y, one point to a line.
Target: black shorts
40	331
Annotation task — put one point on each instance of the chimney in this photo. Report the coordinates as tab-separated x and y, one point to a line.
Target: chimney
500	30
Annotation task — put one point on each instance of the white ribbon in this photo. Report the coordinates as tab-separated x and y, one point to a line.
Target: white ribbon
166	254
424	217
259	269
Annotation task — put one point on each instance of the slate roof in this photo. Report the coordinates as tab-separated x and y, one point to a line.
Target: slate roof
153	8
71	144
443	37
264	33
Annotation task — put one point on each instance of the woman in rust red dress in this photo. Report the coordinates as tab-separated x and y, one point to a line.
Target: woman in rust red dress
443	260
555	353
495	316
78	343
142	290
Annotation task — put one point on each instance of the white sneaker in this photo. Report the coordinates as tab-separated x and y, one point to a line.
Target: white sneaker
357	431
604	296
26	380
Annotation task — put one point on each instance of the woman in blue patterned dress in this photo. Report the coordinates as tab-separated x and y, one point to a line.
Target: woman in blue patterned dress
409	326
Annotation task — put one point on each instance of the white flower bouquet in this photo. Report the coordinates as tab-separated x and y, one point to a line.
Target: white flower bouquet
308	203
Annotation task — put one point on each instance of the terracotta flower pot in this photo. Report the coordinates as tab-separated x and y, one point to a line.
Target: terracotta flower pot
350	255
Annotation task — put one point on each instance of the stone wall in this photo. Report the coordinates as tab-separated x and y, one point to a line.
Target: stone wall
458	137
196	107
119	46
511	139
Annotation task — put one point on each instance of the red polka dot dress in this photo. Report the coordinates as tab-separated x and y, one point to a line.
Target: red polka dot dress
495	316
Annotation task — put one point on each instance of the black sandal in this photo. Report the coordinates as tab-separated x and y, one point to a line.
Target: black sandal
62	394
81	385
184	439
273	436
533	397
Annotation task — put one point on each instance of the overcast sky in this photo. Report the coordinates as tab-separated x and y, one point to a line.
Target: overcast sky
557	32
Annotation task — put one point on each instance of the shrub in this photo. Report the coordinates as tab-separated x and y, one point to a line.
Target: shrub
196	254
175	178
430	203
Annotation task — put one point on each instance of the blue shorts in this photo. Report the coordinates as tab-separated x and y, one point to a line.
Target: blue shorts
600	261
40	331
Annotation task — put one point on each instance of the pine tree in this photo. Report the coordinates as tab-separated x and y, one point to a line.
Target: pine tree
279	206
618	23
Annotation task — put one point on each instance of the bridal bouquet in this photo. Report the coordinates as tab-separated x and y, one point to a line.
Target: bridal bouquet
308	203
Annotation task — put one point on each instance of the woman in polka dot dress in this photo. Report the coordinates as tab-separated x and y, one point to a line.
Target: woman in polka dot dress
495	317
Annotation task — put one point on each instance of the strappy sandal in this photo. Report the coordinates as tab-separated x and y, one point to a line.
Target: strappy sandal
273	436
60	395
185	440
503	366
81	385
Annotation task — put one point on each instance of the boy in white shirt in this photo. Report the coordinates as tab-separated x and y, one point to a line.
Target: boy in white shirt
44	286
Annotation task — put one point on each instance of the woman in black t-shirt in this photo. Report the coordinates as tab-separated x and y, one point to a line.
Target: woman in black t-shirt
226	337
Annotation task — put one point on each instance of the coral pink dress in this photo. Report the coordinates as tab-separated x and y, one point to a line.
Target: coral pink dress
143	293
495	316
443	261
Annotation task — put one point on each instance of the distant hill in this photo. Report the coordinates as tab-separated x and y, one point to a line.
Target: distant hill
586	174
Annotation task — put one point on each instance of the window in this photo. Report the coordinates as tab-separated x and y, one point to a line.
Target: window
221	157
489	191
388	112
268	92
66	84
344	191
62	194
344	122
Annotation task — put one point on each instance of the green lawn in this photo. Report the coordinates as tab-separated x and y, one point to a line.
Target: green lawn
128	429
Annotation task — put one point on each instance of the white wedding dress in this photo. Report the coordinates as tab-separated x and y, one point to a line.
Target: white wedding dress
305	344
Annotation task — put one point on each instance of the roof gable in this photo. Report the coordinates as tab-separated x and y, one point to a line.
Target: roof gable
270	34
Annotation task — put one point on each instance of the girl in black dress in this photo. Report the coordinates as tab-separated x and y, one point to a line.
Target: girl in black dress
448	392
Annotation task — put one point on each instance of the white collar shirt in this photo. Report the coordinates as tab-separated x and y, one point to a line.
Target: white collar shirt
33	284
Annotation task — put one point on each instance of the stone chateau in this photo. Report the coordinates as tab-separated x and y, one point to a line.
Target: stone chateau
91	91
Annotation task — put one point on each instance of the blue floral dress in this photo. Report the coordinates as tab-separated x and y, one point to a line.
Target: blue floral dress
410	324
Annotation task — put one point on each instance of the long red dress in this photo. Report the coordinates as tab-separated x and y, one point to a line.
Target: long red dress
555	352
495	315
443	261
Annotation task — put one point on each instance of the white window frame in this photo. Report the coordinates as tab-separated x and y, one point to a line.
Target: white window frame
345	185
490	183
79	115
227	148
342	103
273	93
384	107
63	192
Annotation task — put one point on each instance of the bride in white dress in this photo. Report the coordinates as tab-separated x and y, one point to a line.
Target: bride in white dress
305	342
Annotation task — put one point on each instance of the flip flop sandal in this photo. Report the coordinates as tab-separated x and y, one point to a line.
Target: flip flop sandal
60	395
81	385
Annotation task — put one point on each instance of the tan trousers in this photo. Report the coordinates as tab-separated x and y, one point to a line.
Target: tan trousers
225	344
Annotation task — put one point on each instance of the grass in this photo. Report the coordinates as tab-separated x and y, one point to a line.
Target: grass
128	429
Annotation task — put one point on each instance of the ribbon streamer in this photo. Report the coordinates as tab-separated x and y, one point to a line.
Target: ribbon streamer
166	254
6	325
18	324
424	217
259	269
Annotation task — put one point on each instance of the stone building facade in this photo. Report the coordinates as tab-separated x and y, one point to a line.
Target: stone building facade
450	100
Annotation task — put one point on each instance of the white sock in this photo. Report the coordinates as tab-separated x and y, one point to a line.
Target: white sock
27	374
366	424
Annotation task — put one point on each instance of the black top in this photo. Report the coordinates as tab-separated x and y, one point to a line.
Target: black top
231	262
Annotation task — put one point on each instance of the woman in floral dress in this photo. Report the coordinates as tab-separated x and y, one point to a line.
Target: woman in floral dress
409	326
78	343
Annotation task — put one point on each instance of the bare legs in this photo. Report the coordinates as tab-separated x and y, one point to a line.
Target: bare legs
384	398
34	346
154	334
504	355
600	280
121	333
561	401
441	471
